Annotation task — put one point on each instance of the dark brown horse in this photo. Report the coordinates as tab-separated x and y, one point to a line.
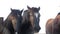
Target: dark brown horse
36	18
29	26
1	25
53	25
3	29
14	17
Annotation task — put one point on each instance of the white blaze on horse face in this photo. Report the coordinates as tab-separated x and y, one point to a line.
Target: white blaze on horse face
36	14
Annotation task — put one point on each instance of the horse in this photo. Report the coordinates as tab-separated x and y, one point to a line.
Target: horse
3	29
37	19
53	25
29	22
13	18
1	25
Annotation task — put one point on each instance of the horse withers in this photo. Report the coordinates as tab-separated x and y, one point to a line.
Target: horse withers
53	25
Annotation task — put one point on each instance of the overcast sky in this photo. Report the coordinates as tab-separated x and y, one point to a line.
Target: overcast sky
49	8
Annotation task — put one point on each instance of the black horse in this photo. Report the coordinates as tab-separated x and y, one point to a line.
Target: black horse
30	22
13	18
36	19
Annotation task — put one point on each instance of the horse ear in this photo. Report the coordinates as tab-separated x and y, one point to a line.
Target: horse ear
22	10
28	7
38	8
11	9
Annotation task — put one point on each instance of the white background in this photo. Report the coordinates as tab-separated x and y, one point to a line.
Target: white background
49	8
